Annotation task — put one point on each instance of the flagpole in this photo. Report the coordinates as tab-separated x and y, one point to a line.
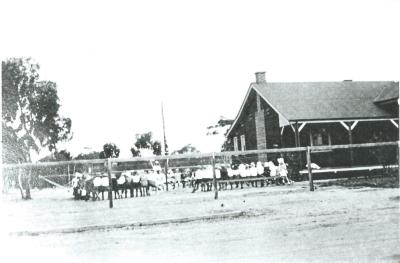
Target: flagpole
165	147
163	123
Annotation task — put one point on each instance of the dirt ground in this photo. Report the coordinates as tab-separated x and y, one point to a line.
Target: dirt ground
272	224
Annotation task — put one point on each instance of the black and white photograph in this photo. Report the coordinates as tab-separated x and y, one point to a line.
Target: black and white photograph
200	131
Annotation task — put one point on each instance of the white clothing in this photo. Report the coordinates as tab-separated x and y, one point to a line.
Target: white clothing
97	181
272	168
217	173
282	170
253	171
230	172
260	168
104	182
75	182
242	170
121	179
136	178
247	171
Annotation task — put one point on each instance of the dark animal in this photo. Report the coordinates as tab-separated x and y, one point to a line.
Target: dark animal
90	190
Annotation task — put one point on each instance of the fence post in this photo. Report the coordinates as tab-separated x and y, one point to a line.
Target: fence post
214	177
69	175
398	156
109	167
309	168
351	149
166	174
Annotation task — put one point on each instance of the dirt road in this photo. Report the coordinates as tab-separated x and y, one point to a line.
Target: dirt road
280	224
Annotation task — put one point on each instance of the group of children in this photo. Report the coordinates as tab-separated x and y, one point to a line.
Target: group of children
276	173
258	169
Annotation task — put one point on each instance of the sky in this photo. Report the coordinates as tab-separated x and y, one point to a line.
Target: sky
115	62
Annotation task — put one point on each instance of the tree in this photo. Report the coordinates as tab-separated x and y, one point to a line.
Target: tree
221	127
219	131
110	150
135	152
62	155
145	141
186	149
30	117
157	148
88	156
85	156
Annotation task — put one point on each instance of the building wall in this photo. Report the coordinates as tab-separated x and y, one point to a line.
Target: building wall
261	136
272	130
259	123
246	125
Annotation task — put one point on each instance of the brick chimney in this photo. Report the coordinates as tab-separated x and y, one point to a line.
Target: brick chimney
260	77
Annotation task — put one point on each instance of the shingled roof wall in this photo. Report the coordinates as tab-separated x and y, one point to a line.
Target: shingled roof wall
328	100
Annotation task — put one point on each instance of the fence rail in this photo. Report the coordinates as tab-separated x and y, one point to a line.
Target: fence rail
206	159
202	155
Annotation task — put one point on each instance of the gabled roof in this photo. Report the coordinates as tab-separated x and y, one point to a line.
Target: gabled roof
388	93
306	101
326	100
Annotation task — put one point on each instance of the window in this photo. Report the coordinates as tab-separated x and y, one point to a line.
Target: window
235	144
319	137
242	143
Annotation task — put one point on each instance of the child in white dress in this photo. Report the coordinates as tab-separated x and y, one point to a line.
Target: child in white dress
282	170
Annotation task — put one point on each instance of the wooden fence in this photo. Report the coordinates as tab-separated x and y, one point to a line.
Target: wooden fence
108	163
